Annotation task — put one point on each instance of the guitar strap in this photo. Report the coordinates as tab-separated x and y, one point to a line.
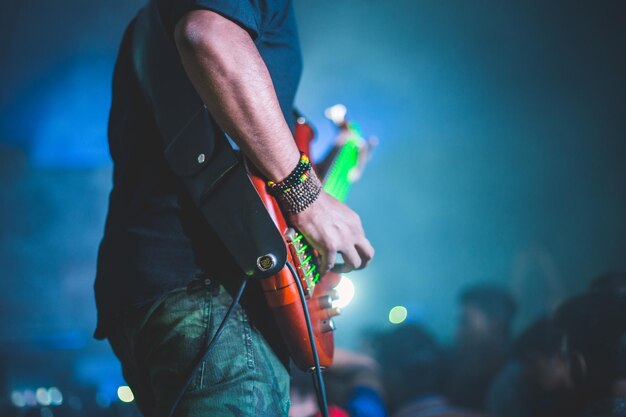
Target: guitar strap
198	152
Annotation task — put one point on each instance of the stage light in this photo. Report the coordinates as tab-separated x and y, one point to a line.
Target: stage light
125	394
17	398
397	314
56	397
345	292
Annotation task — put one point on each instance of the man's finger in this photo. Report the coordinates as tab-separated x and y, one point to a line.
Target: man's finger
327	261
351	260
366	252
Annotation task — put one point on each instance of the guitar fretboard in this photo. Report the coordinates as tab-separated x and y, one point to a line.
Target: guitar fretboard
338	181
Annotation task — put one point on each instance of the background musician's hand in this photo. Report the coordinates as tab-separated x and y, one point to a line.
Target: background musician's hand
332	227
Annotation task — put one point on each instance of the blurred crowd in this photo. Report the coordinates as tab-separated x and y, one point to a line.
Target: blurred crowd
571	363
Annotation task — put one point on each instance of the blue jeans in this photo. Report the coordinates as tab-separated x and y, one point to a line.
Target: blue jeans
157	343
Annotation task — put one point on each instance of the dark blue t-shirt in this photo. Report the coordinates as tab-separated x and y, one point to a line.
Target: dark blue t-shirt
155	239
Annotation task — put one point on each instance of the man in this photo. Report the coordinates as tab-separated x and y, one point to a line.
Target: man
482	343
164	278
536	381
412	364
595	343
352	383
303	398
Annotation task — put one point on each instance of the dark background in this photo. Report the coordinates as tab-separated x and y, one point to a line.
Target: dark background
502	158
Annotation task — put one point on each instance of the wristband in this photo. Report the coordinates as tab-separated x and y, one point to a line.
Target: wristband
296	176
299	190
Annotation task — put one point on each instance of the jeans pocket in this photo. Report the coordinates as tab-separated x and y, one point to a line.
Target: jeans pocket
232	357
169	339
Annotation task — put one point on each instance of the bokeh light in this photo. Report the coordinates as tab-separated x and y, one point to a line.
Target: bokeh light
56	397
398	314
29	398
43	396
17	398
125	394
345	292
336	113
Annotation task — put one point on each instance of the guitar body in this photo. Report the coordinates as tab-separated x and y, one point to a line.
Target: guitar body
281	291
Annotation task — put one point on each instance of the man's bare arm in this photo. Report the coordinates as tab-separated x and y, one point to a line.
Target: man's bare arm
232	79
228	72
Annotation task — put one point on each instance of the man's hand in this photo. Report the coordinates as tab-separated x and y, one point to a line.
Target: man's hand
332	227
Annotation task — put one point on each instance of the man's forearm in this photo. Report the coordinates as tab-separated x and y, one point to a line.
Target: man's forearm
229	74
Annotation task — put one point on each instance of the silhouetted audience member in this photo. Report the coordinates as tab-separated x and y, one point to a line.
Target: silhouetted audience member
411	364
595	334
304	399
353	382
482	344
536	381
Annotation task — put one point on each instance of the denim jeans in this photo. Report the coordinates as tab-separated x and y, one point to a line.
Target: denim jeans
157	343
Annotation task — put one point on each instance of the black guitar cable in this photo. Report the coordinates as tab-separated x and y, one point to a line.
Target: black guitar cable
203	354
318	380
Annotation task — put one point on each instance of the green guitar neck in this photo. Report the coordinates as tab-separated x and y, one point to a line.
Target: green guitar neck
338	180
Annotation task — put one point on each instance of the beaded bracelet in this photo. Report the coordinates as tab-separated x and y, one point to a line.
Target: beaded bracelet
304	166
299	190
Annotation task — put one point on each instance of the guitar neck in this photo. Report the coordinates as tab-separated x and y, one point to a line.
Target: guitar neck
338	178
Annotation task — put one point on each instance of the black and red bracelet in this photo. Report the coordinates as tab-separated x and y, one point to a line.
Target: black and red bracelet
304	166
299	190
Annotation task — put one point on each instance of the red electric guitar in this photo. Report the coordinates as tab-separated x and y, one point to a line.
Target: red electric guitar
338	171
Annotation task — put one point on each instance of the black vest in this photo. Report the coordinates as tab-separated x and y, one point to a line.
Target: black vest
199	153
